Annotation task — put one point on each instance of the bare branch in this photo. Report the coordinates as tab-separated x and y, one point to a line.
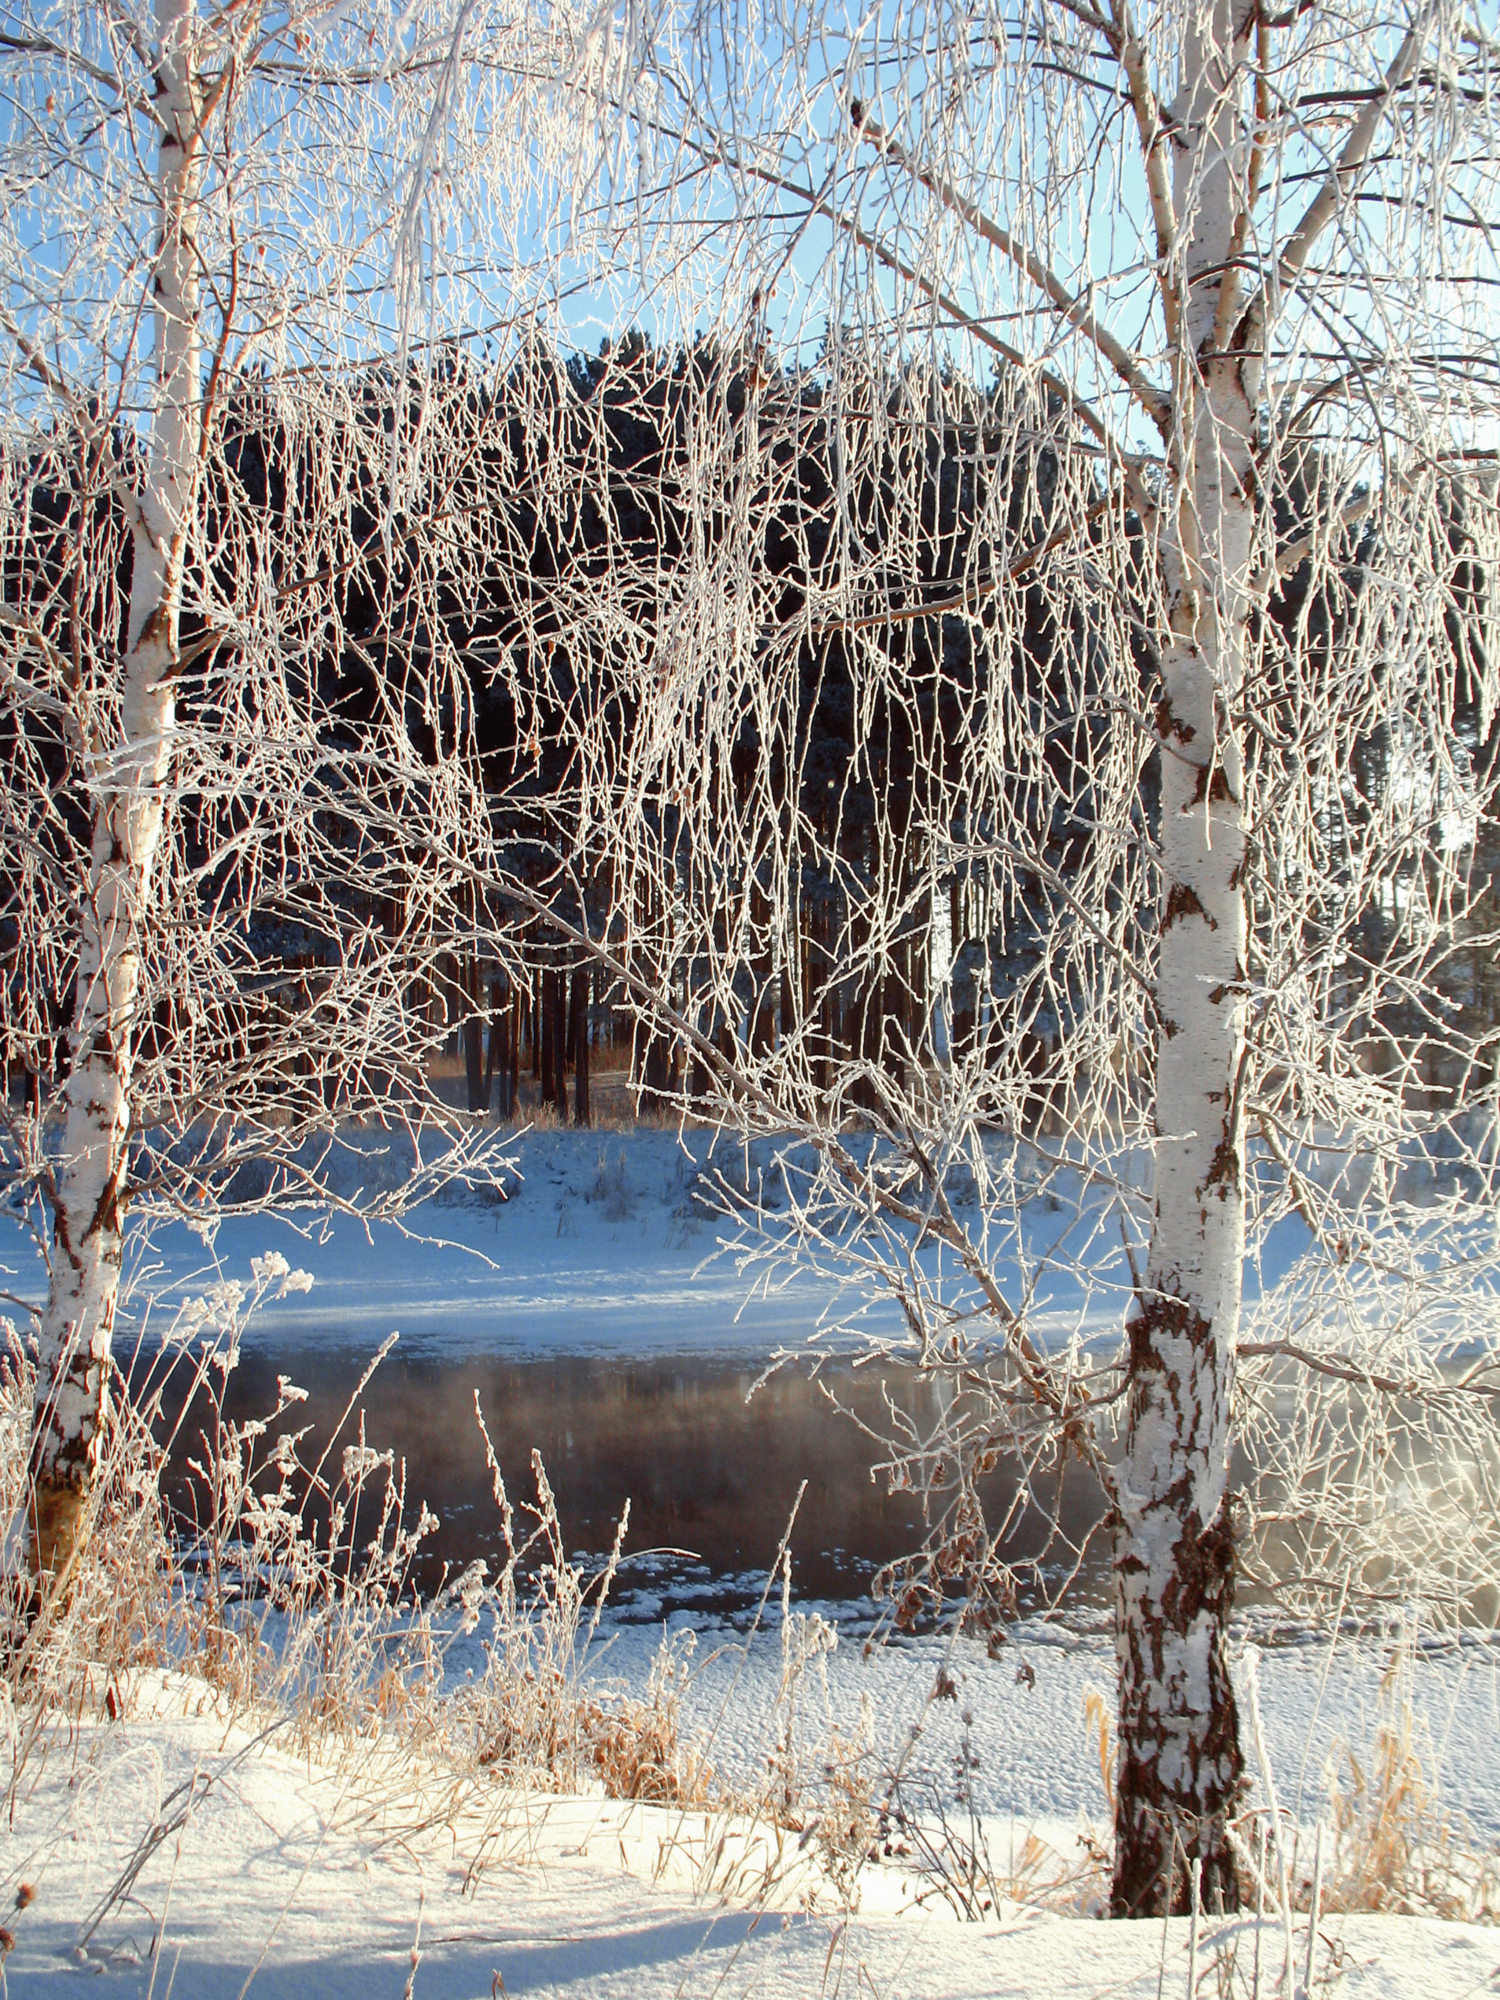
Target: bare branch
1154	401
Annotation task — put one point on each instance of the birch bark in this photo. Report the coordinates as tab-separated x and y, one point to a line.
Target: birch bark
128	761
1181	1768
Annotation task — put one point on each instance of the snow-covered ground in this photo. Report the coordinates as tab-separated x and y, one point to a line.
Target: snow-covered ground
246	1865
604	1243
1029	1730
309	1876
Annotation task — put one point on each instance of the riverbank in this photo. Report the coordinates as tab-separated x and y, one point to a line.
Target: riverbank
184	1846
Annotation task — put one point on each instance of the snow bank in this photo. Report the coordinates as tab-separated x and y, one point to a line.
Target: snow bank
361	1874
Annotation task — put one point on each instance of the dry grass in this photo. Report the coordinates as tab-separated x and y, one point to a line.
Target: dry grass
1392	1845
289	1590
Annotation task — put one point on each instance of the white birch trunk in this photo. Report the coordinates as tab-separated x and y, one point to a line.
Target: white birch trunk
128	776
1180	1763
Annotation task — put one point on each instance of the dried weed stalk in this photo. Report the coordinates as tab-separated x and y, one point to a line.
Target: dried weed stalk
286	1581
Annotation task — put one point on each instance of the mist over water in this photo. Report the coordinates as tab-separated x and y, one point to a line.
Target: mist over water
711	1470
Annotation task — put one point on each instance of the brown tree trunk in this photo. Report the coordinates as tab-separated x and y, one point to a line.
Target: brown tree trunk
560	1043
789	985
475	1078
497	1058
546	1042
517	1000
578	1036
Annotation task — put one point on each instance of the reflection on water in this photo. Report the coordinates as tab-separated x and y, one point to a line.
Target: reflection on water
708	1469
705	1470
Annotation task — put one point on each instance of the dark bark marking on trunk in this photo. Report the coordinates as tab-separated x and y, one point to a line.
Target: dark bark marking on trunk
1195	1786
1212	783
1182	902
1153	1873
1168	725
1224	1169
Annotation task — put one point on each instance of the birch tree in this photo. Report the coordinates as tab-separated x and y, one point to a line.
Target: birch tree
242	460
1169	334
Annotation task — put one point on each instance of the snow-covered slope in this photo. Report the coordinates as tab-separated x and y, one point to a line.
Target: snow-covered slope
605	1242
359	1874
601	1246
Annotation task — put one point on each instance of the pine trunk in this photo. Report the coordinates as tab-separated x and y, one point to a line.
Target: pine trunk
476	1080
559	1000
497	1059
513	1101
545	1037
578	1035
